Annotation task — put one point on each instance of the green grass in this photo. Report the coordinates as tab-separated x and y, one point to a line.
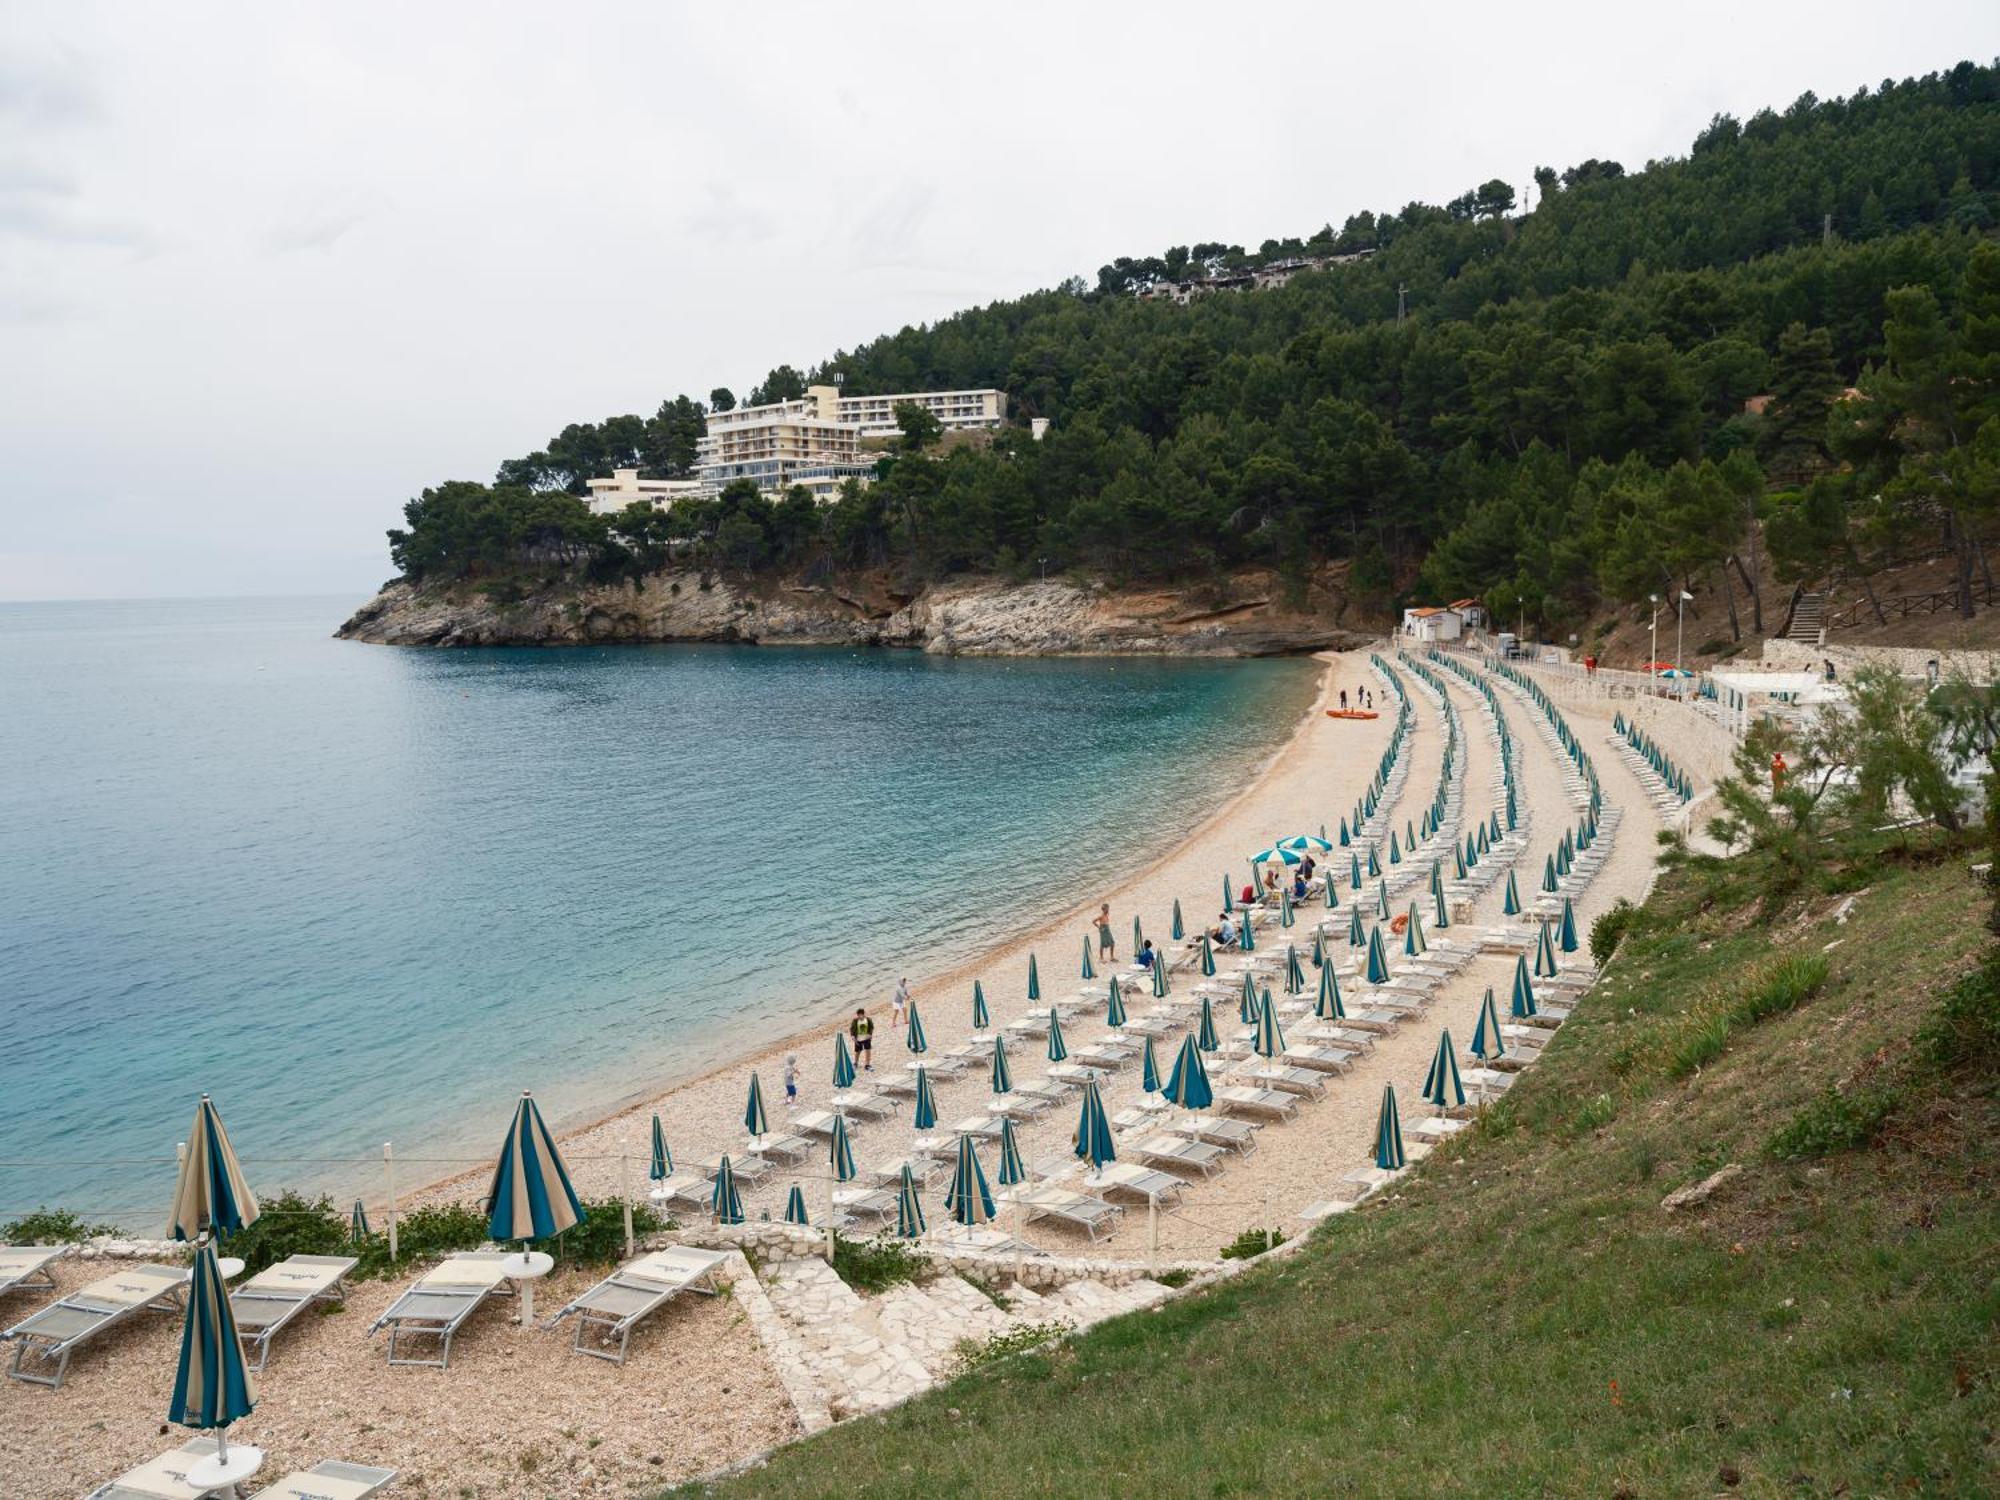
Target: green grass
1526	1320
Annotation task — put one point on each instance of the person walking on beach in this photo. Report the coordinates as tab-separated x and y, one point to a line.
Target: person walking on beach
792	1080
1343	700
1107	945
862	1031
899	1004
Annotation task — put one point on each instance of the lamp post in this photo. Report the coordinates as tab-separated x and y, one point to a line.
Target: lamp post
1653	652
1045	568
1680	621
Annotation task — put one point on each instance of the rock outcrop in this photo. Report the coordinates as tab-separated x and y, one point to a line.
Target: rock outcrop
1058	617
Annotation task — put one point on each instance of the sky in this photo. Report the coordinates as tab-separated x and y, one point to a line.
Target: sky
266	271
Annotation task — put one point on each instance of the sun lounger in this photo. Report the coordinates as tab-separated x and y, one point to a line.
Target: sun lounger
980	1127
162	1478
1177	1151
440	1302
683	1187
818	1122
782	1149
1075	1074
330	1480
951	1236
1045	1200
265	1304
1110	1059
1303	1082
25	1268
1142	1182
636	1290
1020	1104
47	1339
867	1203
1054	1090
748	1167
1140	1116
1239	1135
1267	1102
1319	1059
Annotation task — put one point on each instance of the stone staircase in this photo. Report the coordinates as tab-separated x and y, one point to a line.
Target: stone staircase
1808	620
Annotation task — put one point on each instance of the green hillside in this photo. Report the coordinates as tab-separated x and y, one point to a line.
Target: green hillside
1523	1318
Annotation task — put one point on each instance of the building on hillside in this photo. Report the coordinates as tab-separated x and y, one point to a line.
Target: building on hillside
817	439
1431	623
1471	612
957	411
625	487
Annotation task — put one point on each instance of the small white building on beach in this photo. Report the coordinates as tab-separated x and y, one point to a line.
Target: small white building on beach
1430	623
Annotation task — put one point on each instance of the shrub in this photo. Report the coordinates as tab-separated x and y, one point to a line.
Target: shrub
1782	986
1176	1278
600	1239
52	1226
1697	1042
291	1224
1833	1121
1608	930
1595	1115
878	1264
973	1353
1964	1031
1253	1242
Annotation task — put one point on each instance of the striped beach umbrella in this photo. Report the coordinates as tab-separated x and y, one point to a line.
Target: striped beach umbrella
840	1151
1159	973
755	1121
1493	818
1246	1002
1388	1132
1149	1070
1569	942
913	1035
212	1194
1246	938
982	1018
1510	902
909	1212
1549	874
1114	1005
213	1385
1487	1042
1207	956
725	1202
661	1167
1374	862
1331	891
1138	937
1382	900
1413	933
1523	1002
1441	1085
1462	859
1179	931
1034	980
1188	1084
1295	972
1204	1034
1319	949
1354	872
1285	917
1378	959
924	1116
1305	843
1395	850
1269	1038
1440	913
843	1062
1057	1051
1545	953
1092	1141
795	1207
1003	1076
1409	836
530	1197
1011	1168
1228	900
357	1223
1357	934
1089	969
1436	883
968	1199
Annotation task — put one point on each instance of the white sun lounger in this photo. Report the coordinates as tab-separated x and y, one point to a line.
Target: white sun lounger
634	1292
871	1105
783	1149
1254	1101
951	1236
48	1338
440	1302
1166	1149
268	1301
1144	1183
162	1478
819	1122
1319	1059
1020	1104
25	1268
1303	1082
867	1203
330	1480
683	1187
1239	1135
1045	1200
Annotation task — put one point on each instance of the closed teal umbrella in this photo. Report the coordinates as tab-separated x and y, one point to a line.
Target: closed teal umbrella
1114	1005
1357	934
843	1062
1295	972
909	1212
1057	1051
1487	1042
1269	1038
795	1207
1138	936
1205	1036
840	1151
1437	877
1331	890
212	1383
1003	1077
211	1195
1344	839
1354	872
914	1035
725	1202
1188	1084
1382	900
1388	1133
1285	918
1319	949
969	1200
662	1164
1409	835
1149	1070
982	1019
925	1114
1089	969
1569	942
1228	902
1511	904
1545	953
1207	956
1413	933
1248	938
1011	1168
1378	960
1092	1141
1328	1006
1159	976
1440	916
1549	874
1523	1003
1374	864
1395	853
357	1223
530	1197
1034	980
1246	1000
1441	1085
1178	930
754	1119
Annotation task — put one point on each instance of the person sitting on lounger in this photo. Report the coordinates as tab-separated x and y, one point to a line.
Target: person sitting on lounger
1224	934
1299	887
1308	866
1146	954
1271	883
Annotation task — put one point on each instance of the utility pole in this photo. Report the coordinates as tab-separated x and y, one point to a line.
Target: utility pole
1402	301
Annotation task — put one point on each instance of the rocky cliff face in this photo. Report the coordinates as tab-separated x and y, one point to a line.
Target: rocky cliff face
982	618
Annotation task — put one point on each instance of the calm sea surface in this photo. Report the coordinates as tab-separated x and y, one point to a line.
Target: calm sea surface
364	894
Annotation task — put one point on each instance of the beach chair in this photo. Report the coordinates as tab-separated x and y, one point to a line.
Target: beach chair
819	1122
1144	1183
684	1187
1239	1135
951	1236
1303	1082
1177	1151
748	1167
872	1105
25	1268
979	1127
1045	1200
268	1301
1021	1105
865	1203
329	1480
634	1292
783	1149
442	1299
47	1339
1269	1103
1319	1059
162	1478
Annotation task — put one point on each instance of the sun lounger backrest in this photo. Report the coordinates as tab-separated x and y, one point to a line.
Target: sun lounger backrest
132	1286
17	1261
299	1275
331	1480
463	1271
162	1478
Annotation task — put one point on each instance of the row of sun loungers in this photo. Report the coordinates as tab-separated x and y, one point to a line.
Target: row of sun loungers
165	1478
44	1342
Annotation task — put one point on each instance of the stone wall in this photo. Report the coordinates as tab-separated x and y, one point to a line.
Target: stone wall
1911	661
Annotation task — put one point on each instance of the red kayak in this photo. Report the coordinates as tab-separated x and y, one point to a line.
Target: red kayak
1352	713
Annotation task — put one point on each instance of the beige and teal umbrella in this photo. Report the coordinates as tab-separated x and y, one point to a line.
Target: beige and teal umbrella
530	1197
968	1199
212	1196
909	1211
1441	1085
1388	1132
1487	1043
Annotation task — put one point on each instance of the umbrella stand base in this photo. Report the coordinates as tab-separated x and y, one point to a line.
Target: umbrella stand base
217	1472
524	1270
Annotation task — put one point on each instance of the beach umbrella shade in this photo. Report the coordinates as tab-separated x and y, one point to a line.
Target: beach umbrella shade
212	1194
982	1018
1357	934
1437	877
1179	930
1568	939
1354	872
1328	1006
968	1199
1442	1086
1269	1039
924	1116
1319	949
1440	915
1285	918
1114	1005
1382	900
909	1211
1093	1129
1344	839
1295	972
1487	1043
1149	1070
1493	818
1034	980
1246	1002
1409	836
1545	953
1277	854
1057	1051
357	1223
1138	937
1378	959
1011	1168
531	1196
725	1202
1332	892
1228	903
1188	1084
1413	933
1388	1133
913	1035
1510	902
1374	863
1159	976
1207	955
661	1167
1305	843
212	1383
840	1151
1003	1077
1089	969
1523	1001
1204	1035
1395	851
754	1119
843	1062
795	1207
1247	935
1549	874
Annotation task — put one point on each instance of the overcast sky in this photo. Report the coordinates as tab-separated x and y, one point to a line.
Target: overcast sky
268	270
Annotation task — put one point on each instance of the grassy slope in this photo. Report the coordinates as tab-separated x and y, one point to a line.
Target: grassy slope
1525	1320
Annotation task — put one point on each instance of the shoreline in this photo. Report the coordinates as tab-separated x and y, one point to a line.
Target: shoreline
926	985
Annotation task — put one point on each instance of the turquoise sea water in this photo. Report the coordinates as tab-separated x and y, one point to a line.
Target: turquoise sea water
364	894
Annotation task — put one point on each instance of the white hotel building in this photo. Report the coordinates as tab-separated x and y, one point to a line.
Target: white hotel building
816	441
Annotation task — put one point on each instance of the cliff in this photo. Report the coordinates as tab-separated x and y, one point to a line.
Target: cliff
972	618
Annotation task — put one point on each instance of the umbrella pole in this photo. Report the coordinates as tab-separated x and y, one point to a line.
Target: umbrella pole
1152	1234
389	1169
625	1198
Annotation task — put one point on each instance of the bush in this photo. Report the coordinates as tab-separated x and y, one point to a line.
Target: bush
1964	1031
972	1353
1176	1278
52	1226
878	1264
1784	985
1608	930
292	1224
1833	1121
1697	1042
1253	1242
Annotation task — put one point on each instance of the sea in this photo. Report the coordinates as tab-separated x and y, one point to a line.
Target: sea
363	894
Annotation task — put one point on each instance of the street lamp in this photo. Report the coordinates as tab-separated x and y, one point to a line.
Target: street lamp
1045	568
1680	617
1653	654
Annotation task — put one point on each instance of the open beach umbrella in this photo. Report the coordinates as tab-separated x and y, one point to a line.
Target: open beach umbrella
1269	1038
661	1167
1357	934
1204	1034
1057	1051
909	1212
1569	942
212	1383
1114	1005
1277	854
1093	1129
1011	1168
1328	1004
1188	1084
914	1037
212	1194
1089	969
1545	953
1441	1085
1207	956
843	1062
530	1196
1413	933
1149	1070
357	1223
1034	980
924	1116
1510	903
755	1121
968	1199
982	1019
795	1207
1295	972
1523	1003
1378	960
1305	843
1159	971
725	1202
1246	1002
1487	1043
1388	1133
840	1151
1003	1077
1179	931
